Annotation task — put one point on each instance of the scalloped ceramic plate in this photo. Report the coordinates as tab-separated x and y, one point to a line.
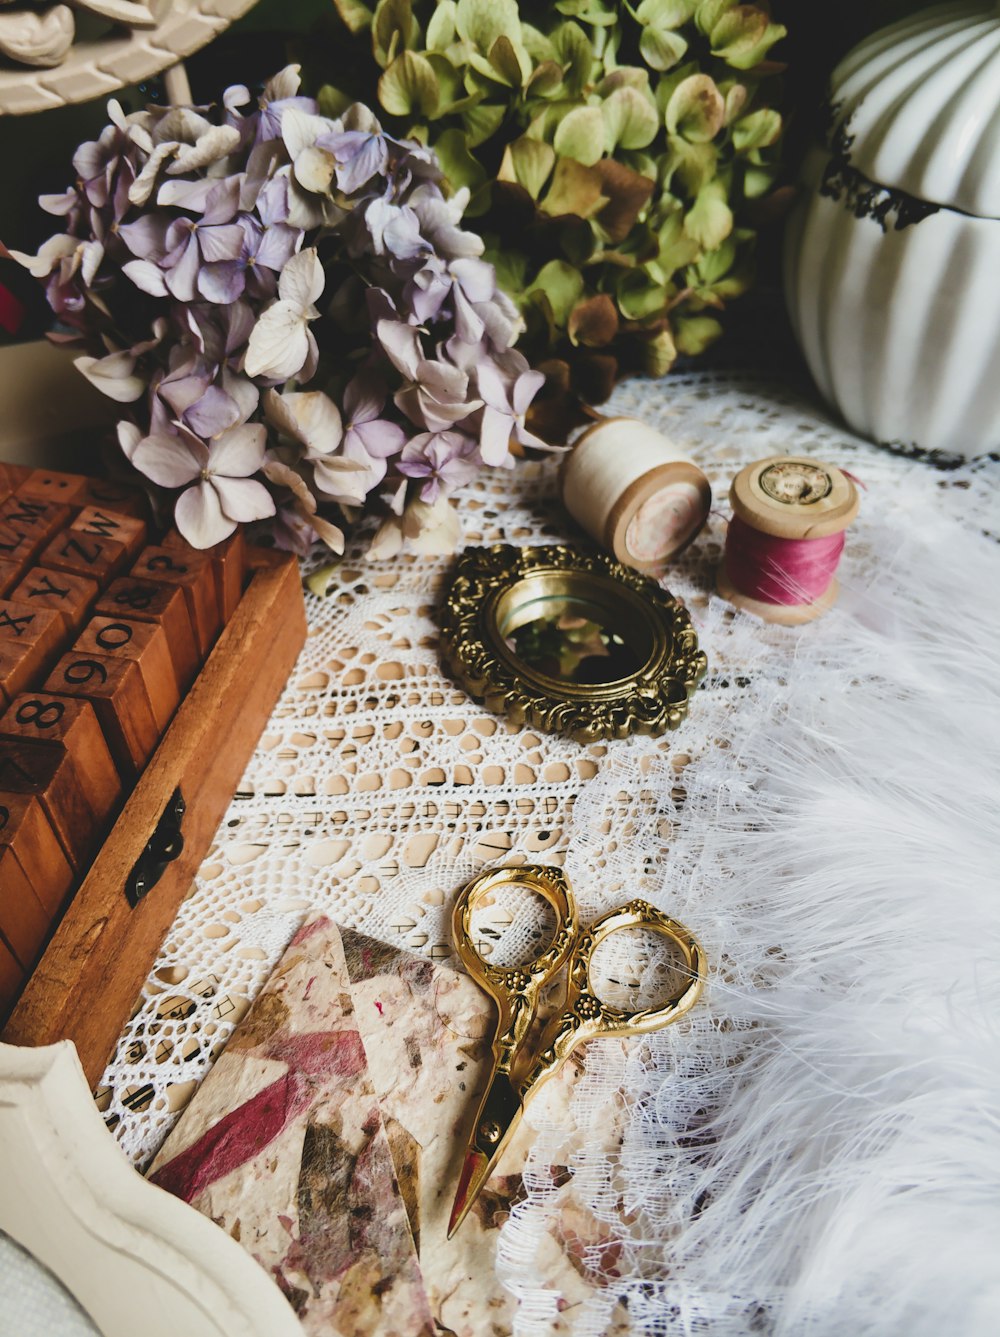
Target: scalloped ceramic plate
105	61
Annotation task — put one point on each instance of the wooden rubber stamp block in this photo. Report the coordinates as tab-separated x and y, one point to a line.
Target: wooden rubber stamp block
19	665
72	722
118	496
105	523
194	574
115	689
29	641
33	518
12	476
68	595
27	767
148	601
23	921
25	828
11	976
46	770
51	485
229	560
10	574
18	549
230	570
83	555
23	624
146	644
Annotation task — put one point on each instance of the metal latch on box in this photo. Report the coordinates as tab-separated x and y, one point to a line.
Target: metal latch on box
163	846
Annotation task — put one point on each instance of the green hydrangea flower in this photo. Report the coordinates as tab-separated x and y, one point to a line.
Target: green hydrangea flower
614	156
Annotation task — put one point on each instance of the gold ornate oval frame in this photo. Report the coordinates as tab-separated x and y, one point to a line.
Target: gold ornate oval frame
491	587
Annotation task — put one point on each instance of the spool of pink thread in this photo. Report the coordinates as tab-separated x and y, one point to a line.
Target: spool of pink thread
786	537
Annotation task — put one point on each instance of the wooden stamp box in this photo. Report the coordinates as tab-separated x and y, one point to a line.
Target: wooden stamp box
99	955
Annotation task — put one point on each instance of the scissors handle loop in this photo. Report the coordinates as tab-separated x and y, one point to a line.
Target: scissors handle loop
585	1015
516	988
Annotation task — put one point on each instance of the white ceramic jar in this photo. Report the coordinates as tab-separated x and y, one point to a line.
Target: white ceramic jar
892	256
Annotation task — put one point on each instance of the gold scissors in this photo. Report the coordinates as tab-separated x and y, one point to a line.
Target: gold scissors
518	1071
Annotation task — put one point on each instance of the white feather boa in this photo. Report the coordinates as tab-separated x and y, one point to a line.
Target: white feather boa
816	1149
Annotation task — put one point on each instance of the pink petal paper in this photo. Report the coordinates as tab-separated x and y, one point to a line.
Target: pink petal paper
284	1147
427	1031
234	1140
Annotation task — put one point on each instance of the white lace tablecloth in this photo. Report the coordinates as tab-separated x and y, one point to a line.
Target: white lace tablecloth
379	788
35	1303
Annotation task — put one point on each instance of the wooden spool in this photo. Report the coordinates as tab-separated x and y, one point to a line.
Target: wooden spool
790	497
635	492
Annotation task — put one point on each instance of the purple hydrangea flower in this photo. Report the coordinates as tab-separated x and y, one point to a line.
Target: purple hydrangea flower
370	439
313	420
223	492
389	229
435	393
463	284
281	344
359	156
280	94
443	460
504	409
216	259
170	253
263	254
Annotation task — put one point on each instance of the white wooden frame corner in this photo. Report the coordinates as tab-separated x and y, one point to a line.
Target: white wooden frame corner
133	1256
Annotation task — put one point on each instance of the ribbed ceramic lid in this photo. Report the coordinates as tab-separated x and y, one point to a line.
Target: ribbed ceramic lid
918	105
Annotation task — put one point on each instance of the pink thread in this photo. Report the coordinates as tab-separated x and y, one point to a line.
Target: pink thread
780	571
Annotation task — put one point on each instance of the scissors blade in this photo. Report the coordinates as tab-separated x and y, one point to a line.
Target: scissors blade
497	1118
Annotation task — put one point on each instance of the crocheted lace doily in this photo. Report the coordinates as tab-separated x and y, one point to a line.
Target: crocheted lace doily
379	788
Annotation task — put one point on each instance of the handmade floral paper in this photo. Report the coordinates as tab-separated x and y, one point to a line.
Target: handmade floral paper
284	1147
417	1035
427	1030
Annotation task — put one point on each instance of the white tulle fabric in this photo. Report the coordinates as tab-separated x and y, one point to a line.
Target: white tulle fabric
814	1149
